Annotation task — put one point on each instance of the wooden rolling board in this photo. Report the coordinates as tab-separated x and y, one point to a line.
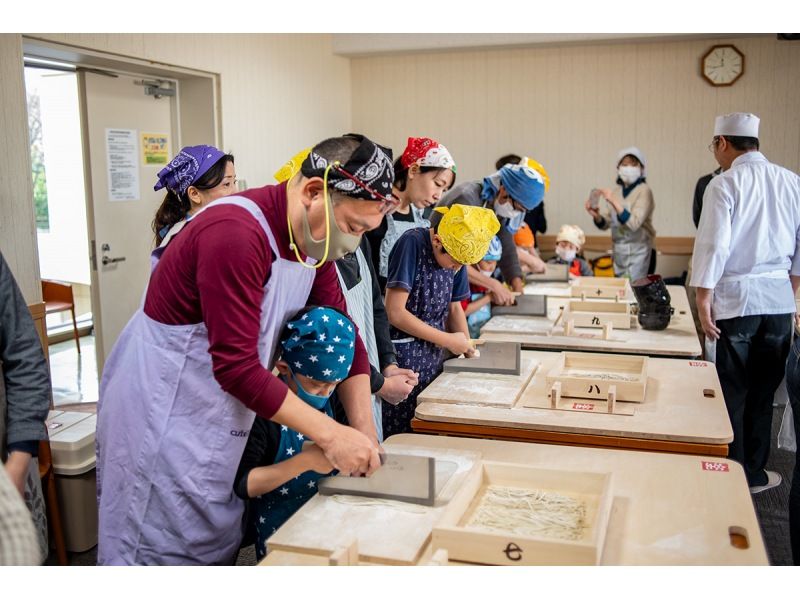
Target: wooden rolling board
475	388
386	532
564	289
667	509
675	409
679	339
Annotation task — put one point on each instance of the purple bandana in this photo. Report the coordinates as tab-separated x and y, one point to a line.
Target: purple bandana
190	164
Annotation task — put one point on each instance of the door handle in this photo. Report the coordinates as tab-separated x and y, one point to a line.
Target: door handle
112	260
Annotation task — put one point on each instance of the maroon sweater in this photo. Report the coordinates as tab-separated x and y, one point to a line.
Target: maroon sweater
214	271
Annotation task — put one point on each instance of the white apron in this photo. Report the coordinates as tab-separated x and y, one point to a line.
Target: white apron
394	230
359	306
169	439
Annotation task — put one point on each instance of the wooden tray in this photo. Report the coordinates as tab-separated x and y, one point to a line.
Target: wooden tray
596	314
477	545
573	371
600	287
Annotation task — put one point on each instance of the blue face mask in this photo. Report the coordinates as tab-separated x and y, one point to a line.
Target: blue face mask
316	401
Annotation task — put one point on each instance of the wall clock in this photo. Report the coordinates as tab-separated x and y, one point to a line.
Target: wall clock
722	65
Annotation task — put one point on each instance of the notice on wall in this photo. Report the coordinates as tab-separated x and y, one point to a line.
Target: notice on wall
122	152
155	149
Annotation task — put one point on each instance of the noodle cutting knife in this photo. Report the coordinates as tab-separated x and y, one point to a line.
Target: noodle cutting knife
407	478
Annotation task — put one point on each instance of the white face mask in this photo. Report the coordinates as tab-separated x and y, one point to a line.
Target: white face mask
506	210
486	272
629	174
565	254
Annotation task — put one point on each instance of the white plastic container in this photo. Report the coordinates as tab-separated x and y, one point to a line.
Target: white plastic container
72	436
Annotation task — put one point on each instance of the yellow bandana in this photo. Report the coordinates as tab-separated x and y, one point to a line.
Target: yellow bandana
531	163
292	167
466	231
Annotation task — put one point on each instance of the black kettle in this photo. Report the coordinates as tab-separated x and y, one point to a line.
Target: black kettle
653	298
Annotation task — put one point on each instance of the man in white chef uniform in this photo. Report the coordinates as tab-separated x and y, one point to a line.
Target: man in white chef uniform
746	268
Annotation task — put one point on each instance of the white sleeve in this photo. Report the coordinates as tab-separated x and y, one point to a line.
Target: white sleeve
713	240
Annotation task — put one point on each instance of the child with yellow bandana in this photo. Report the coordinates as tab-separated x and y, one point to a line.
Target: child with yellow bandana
425	286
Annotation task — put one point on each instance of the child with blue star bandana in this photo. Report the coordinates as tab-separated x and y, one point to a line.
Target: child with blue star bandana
277	475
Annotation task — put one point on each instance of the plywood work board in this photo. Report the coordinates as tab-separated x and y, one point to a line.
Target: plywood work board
667	509
683	411
474	388
387	532
679	339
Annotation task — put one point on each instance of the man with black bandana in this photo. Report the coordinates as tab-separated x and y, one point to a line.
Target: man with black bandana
193	367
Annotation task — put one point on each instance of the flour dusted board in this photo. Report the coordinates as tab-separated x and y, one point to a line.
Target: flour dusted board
473	388
537	538
387	532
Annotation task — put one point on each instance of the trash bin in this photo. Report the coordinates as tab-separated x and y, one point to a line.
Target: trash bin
72	445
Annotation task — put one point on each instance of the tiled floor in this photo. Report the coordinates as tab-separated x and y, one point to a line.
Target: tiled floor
74	375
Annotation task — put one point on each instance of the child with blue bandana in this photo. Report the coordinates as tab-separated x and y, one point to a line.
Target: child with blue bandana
277	475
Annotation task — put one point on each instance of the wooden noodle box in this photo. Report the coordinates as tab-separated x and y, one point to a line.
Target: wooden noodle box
501	547
600	287
596	314
581	376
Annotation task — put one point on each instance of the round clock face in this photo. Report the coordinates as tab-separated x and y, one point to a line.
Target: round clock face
723	65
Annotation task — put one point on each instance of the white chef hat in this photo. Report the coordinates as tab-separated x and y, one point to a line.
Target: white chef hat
632	151
737	124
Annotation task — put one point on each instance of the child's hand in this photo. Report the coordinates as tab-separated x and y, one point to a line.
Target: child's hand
316	458
457	343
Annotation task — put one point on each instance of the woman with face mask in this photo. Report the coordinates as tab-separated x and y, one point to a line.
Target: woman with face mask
509	193
422	175
628	212
193	367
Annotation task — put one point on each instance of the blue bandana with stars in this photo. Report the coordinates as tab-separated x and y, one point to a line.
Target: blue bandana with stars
321	344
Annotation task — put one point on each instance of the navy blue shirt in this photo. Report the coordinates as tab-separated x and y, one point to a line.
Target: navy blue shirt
405	256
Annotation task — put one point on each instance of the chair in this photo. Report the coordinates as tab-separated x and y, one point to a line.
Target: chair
48	478
58	297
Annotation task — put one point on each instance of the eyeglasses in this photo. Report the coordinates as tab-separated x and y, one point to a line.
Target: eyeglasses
712	146
388	203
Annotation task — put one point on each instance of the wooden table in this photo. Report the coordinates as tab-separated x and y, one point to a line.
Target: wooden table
677	416
667	509
679	339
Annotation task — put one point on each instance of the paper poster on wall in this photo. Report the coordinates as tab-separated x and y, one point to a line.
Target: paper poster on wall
122	151
155	149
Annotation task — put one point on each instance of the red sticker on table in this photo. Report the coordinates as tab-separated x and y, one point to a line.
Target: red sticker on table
583	406
714	466
698	364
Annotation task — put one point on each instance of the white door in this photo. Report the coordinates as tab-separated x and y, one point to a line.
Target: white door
121	125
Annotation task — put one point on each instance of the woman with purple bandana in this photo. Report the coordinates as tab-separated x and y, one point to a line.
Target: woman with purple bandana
194	178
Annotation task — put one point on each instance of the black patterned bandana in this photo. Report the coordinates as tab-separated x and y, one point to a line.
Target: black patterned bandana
368	174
